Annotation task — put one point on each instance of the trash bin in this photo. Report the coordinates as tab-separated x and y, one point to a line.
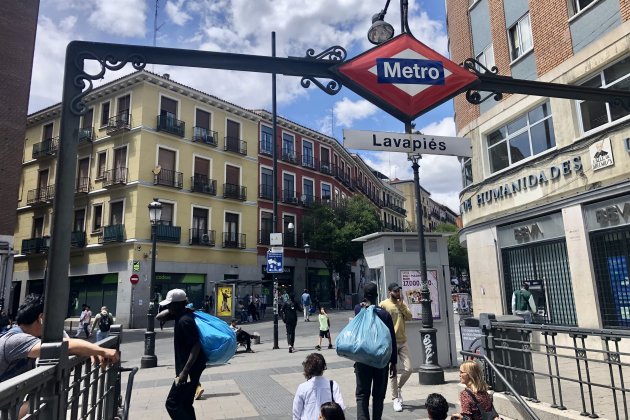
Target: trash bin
256	338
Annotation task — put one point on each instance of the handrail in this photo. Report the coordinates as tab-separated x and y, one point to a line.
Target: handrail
606	332
518	397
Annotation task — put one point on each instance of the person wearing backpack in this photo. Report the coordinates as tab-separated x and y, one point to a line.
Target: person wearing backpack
316	391
102	323
371	380
289	316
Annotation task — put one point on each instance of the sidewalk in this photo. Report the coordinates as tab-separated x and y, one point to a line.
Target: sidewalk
262	385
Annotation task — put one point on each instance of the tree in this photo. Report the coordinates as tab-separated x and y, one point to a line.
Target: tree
457	255
330	229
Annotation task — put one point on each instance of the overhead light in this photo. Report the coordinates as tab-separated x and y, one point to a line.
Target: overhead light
380	31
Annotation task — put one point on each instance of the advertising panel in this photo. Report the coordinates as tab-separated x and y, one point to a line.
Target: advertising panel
411	292
224	300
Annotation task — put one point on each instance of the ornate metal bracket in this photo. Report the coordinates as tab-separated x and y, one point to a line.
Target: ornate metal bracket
83	80
473	95
334	53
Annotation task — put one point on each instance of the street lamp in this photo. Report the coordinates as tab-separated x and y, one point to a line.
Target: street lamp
149	359
380	31
430	372
307	249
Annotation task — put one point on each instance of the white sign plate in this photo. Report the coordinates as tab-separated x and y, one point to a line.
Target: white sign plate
407	143
275	239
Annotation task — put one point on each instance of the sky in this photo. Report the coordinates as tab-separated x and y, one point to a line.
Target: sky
245	26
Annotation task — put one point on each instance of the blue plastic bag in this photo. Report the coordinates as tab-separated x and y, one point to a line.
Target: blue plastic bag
365	339
218	341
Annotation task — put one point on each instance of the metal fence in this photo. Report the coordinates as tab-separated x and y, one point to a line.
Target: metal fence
74	388
570	368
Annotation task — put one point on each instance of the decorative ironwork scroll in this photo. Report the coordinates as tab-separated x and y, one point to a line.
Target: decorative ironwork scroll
334	53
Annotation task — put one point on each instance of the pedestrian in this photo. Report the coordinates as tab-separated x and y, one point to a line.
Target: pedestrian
324	328
306	305
316	391
20	346
400	313
206	304
285	296
437	407
523	303
474	400
289	317
263	305
85	319
331	411
371	380
242	337
211	303
102	323
190	360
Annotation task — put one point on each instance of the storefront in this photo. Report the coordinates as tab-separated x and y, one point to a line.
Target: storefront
95	290
193	284
608	224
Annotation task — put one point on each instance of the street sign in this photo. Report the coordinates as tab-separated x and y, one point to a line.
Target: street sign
274	262
406	143
136	266
134	279
405	77
275	239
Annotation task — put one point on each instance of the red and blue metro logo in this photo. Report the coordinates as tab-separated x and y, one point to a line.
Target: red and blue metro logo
405	77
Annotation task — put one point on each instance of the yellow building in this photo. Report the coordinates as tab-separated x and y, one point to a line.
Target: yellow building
144	136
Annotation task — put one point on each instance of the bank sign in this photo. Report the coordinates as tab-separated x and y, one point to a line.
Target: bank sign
404	77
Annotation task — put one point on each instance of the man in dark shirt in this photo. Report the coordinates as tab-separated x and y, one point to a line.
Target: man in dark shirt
371	380
190	360
289	316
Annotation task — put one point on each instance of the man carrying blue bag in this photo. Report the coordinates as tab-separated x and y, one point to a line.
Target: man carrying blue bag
372	349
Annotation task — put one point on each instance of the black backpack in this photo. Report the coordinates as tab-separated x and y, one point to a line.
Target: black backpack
104	324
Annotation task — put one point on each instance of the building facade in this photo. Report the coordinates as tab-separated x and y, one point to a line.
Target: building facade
546	196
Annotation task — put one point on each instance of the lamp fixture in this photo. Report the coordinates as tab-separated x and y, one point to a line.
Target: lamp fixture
155	211
380	31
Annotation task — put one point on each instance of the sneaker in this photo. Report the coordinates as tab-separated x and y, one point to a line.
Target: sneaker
397	405
318	347
290	349
330	346
400	397
198	392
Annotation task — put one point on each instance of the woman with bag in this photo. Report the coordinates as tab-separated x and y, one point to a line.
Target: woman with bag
475	401
316	391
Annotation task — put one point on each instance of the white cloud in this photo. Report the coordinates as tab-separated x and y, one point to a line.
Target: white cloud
120	17
176	14
347	111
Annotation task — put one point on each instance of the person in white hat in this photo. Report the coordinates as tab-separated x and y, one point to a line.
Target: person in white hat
189	358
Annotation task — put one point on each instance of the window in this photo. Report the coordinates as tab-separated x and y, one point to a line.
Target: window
266	140
88	119
124	103
307	191
576	6
288	147
167	214
288	187
307	154
520	36
79	221
97	219
38	227
116	213
596	114
486	58
47	132
266	183
467	177
101	164
104	114
528	135
326	191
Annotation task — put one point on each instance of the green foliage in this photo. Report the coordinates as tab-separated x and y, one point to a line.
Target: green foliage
457	255
331	228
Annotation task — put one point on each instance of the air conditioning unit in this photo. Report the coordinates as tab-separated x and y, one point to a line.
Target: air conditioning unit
205	239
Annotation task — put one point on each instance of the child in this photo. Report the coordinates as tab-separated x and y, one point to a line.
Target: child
324	328
331	411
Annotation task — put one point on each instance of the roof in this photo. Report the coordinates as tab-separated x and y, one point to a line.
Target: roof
376	235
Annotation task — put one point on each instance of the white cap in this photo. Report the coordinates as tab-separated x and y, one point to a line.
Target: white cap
174	295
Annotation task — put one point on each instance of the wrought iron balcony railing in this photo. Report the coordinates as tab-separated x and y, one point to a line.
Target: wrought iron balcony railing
168	233
83	185
119	123
309	200
325	167
201	237
45	148
308	161
233	240
86	135
35	245
265	148
169	178
170	124
202	184
237	192
205	136
233	144
117	176
288	197
290	156
112	233
77	239
265	191
43	195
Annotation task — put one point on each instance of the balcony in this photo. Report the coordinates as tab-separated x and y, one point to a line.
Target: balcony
168	233
35	245
204	185
169	124
392	227
325	167
290	156
265	191
233	144
205	136
169	178
119	123
112	234
115	177
263	237
233	240
289	239
46	148
234	191
83	185
309	200
288	197
397	209
40	196
85	135
265	148
201	237
309	162
77	239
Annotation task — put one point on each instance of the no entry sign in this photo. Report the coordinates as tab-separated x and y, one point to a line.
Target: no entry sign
134	279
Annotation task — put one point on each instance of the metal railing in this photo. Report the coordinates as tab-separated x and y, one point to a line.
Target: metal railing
169	124
234	144
85	135
203	184
35	245
81	390
46	147
116	176
201	237
234	240
265	191
112	233
205	136
119	123
237	192
83	185
169	178
168	233
43	195
569	368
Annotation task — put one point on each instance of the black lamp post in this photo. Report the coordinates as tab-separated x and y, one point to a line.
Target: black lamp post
149	359
307	249
430	371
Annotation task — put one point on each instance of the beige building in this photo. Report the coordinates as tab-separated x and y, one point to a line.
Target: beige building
144	136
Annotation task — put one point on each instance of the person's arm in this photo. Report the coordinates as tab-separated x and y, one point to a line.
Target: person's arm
298	404
404	311
97	318
338	396
81	348
532	304
514	303
192	358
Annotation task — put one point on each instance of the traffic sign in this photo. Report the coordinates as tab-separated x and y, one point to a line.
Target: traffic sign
134	278
407	143
405	77
274	262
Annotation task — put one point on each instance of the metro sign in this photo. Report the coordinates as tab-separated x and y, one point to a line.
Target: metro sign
405	77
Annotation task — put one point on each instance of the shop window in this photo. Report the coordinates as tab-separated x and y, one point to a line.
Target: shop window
520	36
526	136
596	114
